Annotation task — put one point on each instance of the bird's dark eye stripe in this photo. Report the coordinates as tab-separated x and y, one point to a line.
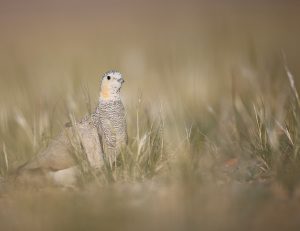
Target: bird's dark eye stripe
108	77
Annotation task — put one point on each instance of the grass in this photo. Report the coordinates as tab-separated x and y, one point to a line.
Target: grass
212	108
228	163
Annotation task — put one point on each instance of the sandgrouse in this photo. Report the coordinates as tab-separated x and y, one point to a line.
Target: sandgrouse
102	135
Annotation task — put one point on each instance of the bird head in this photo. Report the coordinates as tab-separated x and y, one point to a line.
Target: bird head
111	84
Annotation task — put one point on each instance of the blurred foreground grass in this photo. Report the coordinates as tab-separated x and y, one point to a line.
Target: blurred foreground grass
213	115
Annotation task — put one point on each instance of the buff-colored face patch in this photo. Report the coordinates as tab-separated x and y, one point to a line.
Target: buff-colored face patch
105	90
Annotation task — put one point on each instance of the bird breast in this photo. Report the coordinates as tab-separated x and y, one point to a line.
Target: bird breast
113	122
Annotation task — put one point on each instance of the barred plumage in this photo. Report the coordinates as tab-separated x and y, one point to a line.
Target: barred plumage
113	123
102	134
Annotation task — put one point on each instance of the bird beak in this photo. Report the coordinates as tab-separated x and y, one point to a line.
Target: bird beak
121	80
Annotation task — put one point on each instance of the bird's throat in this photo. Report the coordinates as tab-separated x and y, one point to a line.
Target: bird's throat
105	92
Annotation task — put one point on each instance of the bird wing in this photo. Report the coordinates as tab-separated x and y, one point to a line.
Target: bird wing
91	140
55	157
60	152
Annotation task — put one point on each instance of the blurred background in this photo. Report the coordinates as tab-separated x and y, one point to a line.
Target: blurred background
155	44
210	69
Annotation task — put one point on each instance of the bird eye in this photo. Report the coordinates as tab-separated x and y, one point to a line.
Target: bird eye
108	77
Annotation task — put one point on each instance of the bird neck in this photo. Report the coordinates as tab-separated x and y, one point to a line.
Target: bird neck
109	94
111	98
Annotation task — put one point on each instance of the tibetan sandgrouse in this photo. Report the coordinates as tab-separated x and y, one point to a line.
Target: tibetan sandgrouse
101	135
